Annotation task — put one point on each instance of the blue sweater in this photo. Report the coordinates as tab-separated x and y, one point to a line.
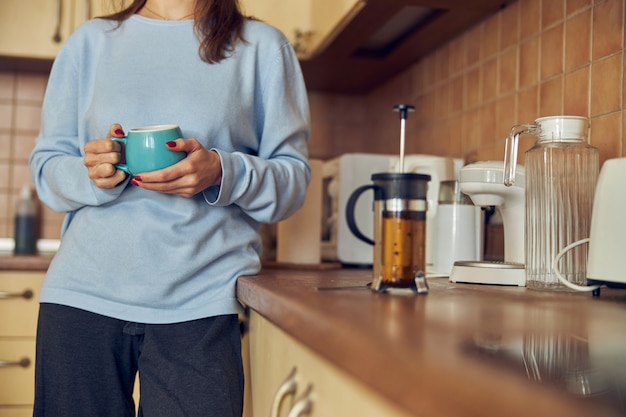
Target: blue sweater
144	256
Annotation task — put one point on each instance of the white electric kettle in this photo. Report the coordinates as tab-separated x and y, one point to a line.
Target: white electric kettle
606	261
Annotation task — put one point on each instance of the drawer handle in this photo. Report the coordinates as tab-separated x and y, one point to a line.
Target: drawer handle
289	386
304	405
22	363
26	294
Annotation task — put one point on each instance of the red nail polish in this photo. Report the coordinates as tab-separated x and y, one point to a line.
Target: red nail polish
119	132
137	178
171	144
133	182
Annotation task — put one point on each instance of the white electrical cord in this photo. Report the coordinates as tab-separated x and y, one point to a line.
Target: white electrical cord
565	282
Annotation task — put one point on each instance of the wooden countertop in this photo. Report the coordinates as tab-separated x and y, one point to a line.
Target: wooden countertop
10	262
462	349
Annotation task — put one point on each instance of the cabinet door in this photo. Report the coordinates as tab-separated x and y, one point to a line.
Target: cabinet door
273	354
88	9
17	381
287	15
28	28
19	306
328	18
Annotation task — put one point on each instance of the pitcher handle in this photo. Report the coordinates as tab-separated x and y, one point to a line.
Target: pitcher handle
350	206
510	152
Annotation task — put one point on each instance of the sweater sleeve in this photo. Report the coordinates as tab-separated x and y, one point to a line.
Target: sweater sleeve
56	162
271	185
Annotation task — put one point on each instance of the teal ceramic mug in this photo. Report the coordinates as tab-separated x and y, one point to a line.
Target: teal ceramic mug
145	149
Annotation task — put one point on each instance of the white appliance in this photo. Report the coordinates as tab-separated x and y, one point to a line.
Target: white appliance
439	168
607	237
484	183
343	175
340	177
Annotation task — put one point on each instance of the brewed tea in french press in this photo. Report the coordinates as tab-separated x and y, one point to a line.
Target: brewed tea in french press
399	256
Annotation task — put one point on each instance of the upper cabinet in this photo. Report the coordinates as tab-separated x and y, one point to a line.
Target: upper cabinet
377	39
308	24
344	46
37	28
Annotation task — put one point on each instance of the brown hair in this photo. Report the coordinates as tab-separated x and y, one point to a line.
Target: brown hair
218	25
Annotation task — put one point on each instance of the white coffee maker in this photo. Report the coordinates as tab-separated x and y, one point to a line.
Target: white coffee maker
483	182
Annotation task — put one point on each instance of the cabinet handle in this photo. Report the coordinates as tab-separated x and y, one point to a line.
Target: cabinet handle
57	31
22	363
289	386
304	405
26	294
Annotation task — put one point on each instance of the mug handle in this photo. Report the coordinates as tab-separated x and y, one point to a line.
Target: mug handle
123	167
350	212
564	281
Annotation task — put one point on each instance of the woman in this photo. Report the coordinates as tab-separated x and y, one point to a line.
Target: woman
144	280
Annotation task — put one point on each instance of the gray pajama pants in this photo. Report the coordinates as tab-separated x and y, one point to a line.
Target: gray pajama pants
86	366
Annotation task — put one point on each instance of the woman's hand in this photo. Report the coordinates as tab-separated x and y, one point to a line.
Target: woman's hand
198	171
100	157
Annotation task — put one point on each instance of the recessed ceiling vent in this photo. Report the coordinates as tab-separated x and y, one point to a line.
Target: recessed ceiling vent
408	20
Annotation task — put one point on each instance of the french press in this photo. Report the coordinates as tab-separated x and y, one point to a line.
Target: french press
399	258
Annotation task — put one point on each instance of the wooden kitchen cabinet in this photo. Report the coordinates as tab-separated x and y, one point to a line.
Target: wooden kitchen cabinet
274	355
18	308
30	29
308	24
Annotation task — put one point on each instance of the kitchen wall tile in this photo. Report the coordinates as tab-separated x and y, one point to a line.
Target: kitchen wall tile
551	97
576	93
528	105
473	46
608	27
4	212
457	56
471	89
489	79
23	144
456	94
27	117
552	11
5	148
509	26
7	86
472	131
578	35
490	38
508	71
506	116
489	118
575	6
30	87
530	18
529	62
605	75
5	169
20	175
552	52
430	73
6	115
606	135
442	64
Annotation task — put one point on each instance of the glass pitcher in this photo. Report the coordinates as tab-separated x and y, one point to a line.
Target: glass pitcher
561	175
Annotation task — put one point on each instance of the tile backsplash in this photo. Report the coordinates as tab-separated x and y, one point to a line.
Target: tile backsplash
534	58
